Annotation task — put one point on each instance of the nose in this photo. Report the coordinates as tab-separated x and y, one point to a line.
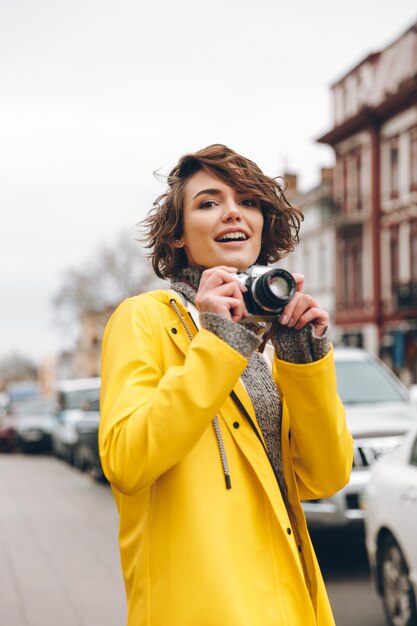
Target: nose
232	212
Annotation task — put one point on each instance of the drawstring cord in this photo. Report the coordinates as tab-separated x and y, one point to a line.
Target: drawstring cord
215	421
222	451
181	318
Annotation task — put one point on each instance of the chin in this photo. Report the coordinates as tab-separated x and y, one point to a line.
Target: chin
242	264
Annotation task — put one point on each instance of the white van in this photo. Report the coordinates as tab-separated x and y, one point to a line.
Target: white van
76	399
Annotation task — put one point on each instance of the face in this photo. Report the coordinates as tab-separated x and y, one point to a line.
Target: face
221	226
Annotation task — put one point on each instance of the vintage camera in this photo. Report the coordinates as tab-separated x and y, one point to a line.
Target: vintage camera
268	291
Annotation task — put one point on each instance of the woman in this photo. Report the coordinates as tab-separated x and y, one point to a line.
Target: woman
209	445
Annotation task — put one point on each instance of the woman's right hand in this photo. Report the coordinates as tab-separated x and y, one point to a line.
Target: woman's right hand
221	292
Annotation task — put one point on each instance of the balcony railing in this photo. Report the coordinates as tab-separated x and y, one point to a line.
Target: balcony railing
353	210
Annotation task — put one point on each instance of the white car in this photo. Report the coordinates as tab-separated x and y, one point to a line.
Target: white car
33	424
391	531
76	398
379	411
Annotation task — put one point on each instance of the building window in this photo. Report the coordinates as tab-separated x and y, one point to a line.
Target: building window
349	178
394	256
393	161
413	158
338	183
413	251
345	100
345	184
351	263
356	183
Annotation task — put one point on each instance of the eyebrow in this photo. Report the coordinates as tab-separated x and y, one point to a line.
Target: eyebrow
214	192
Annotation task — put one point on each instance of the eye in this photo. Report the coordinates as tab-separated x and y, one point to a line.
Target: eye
207	204
250	202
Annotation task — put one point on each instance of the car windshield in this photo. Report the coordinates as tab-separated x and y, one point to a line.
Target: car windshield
84	399
367	382
33	407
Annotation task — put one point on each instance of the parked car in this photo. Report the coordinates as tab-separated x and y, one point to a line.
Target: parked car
75	399
86	454
379	411
7	432
33	421
391	527
4	403
23	390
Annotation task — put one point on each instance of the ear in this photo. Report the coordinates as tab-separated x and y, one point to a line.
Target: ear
178	243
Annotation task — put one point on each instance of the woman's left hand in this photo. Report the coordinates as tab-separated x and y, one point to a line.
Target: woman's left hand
303	309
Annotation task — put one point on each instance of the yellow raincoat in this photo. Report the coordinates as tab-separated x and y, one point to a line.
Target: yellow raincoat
193	552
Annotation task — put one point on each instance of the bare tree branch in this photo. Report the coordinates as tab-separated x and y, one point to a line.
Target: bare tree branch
115	273
15	367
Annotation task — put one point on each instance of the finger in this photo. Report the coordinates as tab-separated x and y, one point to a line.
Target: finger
218	276
222	268
205	298
230	279
299	281
316	316
245	310
226	290
287	312
239	311
231	288
229	307
302	304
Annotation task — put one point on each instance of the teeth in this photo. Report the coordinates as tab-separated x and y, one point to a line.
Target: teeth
229	236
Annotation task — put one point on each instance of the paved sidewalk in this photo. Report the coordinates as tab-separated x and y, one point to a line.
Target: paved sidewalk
59	560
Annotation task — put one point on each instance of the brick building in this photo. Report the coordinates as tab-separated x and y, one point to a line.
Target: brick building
374	137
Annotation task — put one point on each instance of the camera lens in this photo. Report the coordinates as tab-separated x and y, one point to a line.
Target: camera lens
279	287
273	289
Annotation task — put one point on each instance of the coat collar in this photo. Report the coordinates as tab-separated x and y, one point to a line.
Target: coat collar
178	336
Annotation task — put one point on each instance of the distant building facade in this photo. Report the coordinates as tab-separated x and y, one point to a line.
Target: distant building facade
86	356
374	138
315	254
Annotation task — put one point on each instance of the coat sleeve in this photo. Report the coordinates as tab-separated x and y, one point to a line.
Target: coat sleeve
320	444
152	414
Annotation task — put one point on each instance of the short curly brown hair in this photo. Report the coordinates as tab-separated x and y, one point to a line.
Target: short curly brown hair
164	222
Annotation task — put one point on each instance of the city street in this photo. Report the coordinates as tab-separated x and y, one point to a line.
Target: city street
344	564
59	562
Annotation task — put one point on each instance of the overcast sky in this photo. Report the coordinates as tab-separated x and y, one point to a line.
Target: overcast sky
97	94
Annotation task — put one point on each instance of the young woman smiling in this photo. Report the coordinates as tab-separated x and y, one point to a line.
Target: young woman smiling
209	445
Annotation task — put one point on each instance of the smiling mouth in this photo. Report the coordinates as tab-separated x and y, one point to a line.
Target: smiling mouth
238	236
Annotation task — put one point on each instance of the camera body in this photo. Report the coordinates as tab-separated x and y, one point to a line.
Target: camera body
269	290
